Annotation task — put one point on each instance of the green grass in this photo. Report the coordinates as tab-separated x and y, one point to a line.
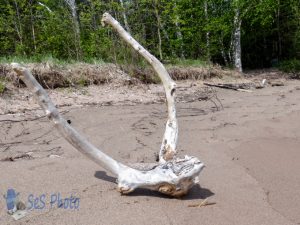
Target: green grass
62	62
35	59
188	62
47	58
2	87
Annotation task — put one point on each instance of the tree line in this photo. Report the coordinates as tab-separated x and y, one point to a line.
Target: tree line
236	33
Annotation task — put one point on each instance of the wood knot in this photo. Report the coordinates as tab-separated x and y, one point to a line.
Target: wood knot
168	153
167	189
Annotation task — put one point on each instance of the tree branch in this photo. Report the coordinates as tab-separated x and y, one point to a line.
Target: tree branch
168	146
72	136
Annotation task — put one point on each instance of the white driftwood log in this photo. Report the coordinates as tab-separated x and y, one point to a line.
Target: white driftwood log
172	176
169	142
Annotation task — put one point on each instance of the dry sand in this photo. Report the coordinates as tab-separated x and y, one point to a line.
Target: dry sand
251	150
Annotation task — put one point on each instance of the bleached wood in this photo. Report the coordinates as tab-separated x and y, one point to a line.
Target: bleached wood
169	142
69	133
48	9
173	178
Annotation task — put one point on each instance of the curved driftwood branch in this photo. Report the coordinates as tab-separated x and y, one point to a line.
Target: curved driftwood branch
174	177
72	136
168	146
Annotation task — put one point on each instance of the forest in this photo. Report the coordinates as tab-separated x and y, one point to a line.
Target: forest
130	112
240	34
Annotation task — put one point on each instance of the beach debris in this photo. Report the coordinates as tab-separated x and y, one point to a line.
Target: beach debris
17	157
205	202
236	87
277	83
52	156
172	175
261	84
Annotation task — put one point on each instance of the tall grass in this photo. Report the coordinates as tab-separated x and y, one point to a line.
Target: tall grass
48	59
189	62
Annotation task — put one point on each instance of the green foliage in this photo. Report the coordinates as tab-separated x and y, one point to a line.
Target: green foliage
31	30
36	59
2	87
291	66
189	62
82	82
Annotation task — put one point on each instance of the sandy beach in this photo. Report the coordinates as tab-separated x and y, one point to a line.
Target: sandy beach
250	147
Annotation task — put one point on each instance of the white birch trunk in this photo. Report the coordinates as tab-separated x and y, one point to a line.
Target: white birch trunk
46	7
207	33
125	16
158	30
32	28
72	6
18	25
237	41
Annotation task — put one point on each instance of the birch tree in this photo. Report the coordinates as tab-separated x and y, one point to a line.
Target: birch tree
207	32
236	33
158	20
125	16
237	49
178	29
73	8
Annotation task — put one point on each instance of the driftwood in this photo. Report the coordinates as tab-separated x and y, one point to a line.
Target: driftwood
168	147
235	87
172	175
205	202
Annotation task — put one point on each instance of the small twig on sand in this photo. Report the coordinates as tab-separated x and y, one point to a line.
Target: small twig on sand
203	203
14	158
10	143
29	119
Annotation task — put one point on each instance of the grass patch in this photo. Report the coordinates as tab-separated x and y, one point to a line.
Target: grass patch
2	87
70	75
188	63
47	59
55	73
35	59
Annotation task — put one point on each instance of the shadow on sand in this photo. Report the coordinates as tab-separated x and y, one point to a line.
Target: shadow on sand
102	175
